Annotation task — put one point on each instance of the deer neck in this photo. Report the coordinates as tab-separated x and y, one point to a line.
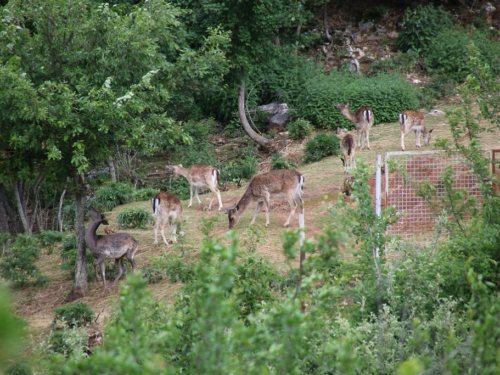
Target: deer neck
245	200
91	235
182	171
350	115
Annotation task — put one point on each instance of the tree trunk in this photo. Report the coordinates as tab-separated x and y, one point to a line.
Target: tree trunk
262	141
4	218
112	169
81	285
59	214
21	209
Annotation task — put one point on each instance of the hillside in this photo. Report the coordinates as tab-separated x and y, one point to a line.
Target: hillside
323	182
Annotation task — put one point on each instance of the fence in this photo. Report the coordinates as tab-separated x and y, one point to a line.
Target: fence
404	173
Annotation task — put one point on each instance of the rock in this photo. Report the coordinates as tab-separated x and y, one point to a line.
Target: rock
436	112
279	117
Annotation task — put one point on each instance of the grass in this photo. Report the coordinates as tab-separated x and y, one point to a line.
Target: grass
323	180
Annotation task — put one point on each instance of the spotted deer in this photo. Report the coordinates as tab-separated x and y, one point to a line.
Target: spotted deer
363	121
167	207
348	148
113	246
199	176
262	187
413	120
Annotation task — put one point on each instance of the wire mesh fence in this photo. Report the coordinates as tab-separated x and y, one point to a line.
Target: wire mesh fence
406	172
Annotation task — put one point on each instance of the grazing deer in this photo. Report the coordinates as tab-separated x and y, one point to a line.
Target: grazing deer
348	148
287	182
413	120
113	246
199	176
167	206
363	121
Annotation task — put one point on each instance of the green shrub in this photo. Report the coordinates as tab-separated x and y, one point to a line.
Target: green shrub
403	62
49	238
176	268
68	256
278	162
321	146
134	218
4	242
74	314
145	194
239	170
19	266
299	129
20	368
112	194
420	26
153	275
386	95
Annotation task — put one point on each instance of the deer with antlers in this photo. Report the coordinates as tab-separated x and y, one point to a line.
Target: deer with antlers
199	176
413	120
113	246
167	207
286	182
363	121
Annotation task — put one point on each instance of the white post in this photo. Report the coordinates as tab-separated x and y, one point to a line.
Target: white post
378	190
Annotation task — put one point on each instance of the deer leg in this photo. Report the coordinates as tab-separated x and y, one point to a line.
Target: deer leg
266	203
102	265
402	141
197	196
163	233
257	209
156	230
217	191
358	138
190	195
293	204
119	263
417	138
173	230
367	136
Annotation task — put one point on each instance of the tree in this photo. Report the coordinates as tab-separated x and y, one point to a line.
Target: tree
81	78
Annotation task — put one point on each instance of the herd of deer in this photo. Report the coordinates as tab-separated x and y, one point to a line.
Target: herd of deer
286	182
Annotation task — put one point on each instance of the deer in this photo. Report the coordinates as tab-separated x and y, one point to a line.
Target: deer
286	182
363	121
348	148
113	246
167	206
413	120
199	176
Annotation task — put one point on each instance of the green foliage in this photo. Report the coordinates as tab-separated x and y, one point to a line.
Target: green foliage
177	268
242	169
386	95
420	26
403	62
145	194
68	342
321	146
49	238
134	218
68	256
74	314
20	368
112	194
278	162
19	266
4	241
299	129
153	275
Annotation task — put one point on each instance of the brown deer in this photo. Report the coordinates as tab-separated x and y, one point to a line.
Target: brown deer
287	182
199	176
167	206
113	246
363	121
348	148
413	120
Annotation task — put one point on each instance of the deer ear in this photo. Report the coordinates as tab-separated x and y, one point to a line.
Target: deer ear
227	211
430	131
348	104
180	165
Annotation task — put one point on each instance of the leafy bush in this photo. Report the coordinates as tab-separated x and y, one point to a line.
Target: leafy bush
145	194
403	62
74	314
49	238
239	170
112	194
69	342
153	275
321	146
299	129
4	242
19	266
278	162
420	26
20	368
68	256
386	95
134	218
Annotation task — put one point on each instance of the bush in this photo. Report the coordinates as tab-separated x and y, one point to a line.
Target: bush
4	242
68	256
402	62
386	95
74	314
153	275
19	368
145	194
278	162
239	170
19	266
299	129
112	194
134	218
420	26
49	238
321	146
